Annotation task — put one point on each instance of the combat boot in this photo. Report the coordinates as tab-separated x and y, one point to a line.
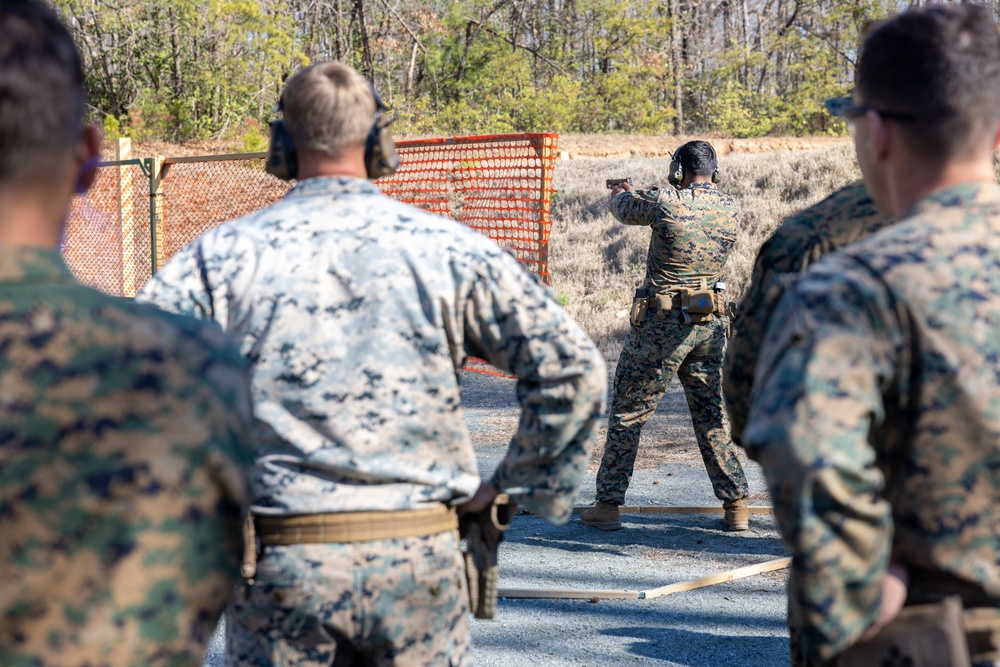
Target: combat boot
602	515
737	514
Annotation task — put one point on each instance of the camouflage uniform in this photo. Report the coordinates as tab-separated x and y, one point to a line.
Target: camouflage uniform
693	231
876	416
846	216
122	473
357	313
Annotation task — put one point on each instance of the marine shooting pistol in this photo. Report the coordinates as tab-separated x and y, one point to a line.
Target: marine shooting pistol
612	182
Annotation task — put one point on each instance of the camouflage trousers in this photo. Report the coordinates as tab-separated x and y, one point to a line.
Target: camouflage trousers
385	602
655	351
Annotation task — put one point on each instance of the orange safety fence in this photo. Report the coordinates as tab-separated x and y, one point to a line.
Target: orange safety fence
141	211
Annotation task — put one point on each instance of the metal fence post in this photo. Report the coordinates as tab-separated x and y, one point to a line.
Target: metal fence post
156	173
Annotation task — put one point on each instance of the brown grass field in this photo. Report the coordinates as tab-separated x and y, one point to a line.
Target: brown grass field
596	262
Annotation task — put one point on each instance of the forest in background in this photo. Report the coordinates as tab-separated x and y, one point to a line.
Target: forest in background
178	70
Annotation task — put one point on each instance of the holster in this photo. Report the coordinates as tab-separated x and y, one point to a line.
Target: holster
483	531
926	635
640	305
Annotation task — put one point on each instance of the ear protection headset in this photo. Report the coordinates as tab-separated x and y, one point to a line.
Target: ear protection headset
381	158
676	173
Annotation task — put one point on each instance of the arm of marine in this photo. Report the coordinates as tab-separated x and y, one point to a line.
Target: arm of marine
357	313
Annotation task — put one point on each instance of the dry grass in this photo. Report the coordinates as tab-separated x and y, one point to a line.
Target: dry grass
597	262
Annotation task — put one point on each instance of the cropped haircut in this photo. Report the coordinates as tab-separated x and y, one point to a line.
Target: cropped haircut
328	107
942	65
41	90
697	158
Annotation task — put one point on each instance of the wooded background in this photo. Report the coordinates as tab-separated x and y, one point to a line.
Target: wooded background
197	69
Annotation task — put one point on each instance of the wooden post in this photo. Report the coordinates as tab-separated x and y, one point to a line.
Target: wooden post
721	578
130	231
156	239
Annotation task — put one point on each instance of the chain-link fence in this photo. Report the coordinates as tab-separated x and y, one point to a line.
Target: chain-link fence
141	211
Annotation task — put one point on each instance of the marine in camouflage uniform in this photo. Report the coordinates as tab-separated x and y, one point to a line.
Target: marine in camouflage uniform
875	412
846	216
357	313
122	473
894	337
123	476
693	231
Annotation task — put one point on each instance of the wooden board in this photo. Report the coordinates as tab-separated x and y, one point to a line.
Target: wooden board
658	509
721	578
566	594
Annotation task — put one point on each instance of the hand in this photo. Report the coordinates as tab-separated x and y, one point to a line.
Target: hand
484	497
620	188
894	588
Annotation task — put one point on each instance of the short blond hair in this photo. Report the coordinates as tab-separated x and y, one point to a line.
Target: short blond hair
328	107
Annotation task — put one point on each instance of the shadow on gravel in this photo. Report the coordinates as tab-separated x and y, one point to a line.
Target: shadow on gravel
702	533
700	648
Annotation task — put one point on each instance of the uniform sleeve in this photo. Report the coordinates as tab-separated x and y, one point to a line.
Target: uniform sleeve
179	286
826	361
748	329
511	321
641	207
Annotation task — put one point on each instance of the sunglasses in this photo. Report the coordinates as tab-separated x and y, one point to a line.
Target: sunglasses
846	108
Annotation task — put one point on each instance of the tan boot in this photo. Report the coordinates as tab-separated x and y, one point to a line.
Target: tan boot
602	515
737	514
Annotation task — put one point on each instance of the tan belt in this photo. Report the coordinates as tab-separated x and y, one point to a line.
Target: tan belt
354	526
341	527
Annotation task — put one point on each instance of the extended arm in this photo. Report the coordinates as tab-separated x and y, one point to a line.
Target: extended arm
827	358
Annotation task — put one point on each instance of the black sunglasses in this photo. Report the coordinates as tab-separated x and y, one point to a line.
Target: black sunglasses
845	107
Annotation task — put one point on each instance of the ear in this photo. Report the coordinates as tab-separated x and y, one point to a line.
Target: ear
880	136
88	154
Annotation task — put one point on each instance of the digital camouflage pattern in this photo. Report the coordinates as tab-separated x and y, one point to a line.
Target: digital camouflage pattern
654	352
412	608
122	474
876	417
846	216
357	313
693	231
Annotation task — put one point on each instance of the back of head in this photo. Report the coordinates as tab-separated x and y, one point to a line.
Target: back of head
328	107
941	65
41	91
697	158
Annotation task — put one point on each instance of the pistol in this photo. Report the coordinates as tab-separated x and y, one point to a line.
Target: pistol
612	182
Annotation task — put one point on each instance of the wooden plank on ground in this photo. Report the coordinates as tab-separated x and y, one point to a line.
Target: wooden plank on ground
566	594
721	578
666	509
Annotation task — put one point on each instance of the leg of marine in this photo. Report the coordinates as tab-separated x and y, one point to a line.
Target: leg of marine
639	385
415	603
302	609
701	376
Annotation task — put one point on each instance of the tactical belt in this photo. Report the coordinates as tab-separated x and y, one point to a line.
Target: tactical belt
353	526
340	528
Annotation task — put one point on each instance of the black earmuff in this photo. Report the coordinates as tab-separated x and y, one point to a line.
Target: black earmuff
381	158
676	175
282	160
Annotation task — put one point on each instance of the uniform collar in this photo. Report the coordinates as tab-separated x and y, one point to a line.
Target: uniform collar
33	265
706	186
331	186
966	194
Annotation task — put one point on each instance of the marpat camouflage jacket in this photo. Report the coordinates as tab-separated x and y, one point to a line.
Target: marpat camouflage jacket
876	415
123	473
356	313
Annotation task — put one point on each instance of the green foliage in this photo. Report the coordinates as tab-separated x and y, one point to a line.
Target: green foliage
112	128
194	69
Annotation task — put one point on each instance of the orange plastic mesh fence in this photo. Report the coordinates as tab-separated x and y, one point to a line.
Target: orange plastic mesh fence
107	233
500	185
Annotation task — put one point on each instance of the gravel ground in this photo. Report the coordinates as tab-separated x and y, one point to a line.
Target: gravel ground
738	623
